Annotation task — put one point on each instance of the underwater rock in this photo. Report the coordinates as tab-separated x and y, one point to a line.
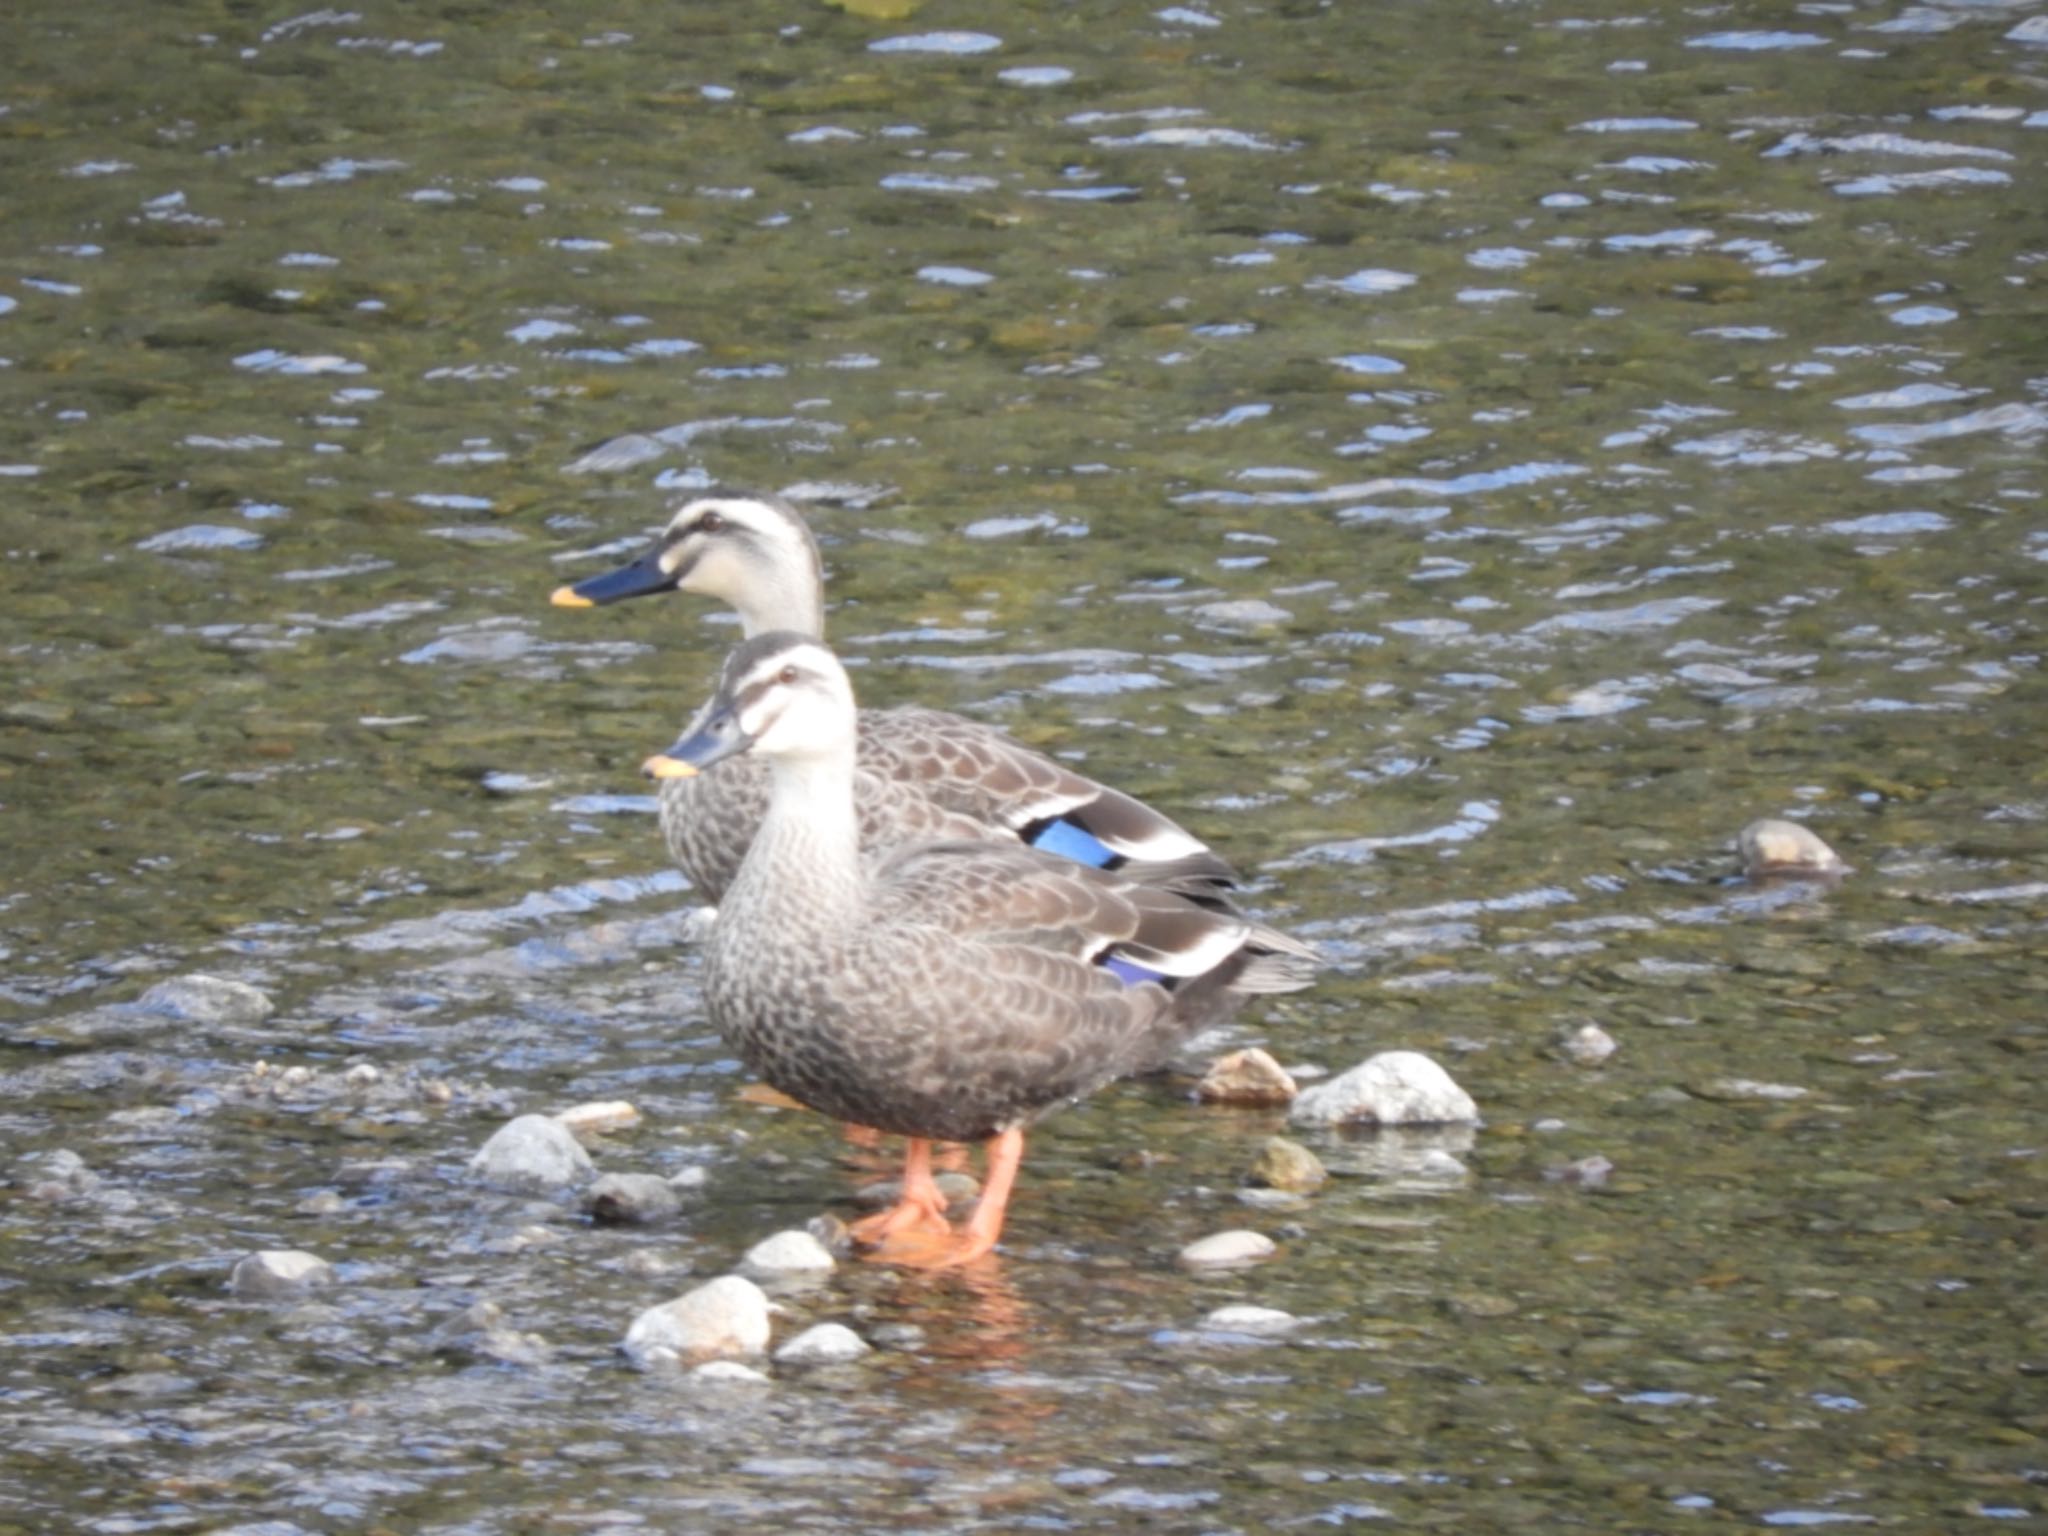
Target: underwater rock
958	1188
198	999
279	1272
1392	1088
531	1155
1248	1077
583	1121
824	1344
631	1199
61	1175
722	1319
1777	849
1588	1172
788	1253
1264	1322
1589	1045
1222	1249
478	1332
730	1372
1288	1165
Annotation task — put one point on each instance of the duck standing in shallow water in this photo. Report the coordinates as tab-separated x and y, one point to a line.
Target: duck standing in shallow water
927	774
953	990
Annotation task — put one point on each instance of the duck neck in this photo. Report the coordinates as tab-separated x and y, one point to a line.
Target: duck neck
784	596
807	853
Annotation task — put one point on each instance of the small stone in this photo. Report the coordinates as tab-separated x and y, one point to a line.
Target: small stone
1262	1321
825	1344
1288	1165
1588	1172
788	1253
1736	1090
1776	849
584	1121
1589	1045
279	1272
1392	1088
958	1188
531	1155
1222	1249
362	1075
325	1202
722	1319
1249	1078
696	1176
61	1175
730	1372
207	1000
631	1199
1436	1163
900	1335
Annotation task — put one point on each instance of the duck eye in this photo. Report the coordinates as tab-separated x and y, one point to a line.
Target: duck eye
788	676
710	522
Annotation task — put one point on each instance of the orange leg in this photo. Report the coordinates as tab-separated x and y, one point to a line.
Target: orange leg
978	1236
921	1207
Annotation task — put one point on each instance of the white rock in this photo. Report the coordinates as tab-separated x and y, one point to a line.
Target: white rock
1786	848
279	1272
825	1344
1245	1319
1589	1045
1392	1088
208	1000
531	1155
787	1253
584	1121
722	1319
1238	1246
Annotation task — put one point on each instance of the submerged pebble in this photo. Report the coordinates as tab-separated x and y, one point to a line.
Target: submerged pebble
1240	1318
279	1272
1775	849
631	1199
61	1175
199	999
1222	1249
531	1155
824	1344
1288	1165
722	1319
1589	1045
1249	1077
1392	1088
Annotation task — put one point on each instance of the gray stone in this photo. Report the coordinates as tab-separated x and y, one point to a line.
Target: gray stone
1221	1250
1249	1077
60	1175
722	1319
631	1199
788	1253
207	1000
279	1272
825	1344
531	1155
1392	1088
1784	848
731	1373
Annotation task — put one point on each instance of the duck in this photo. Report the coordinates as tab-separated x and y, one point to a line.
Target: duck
949	989
925	773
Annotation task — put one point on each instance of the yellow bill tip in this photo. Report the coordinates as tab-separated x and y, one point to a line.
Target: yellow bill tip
569	597
662	766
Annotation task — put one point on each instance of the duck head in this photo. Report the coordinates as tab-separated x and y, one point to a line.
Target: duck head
781	695
749	549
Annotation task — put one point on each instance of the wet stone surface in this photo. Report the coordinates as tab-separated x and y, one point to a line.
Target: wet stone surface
1467	461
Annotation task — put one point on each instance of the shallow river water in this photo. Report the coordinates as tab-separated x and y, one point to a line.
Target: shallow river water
1465	459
